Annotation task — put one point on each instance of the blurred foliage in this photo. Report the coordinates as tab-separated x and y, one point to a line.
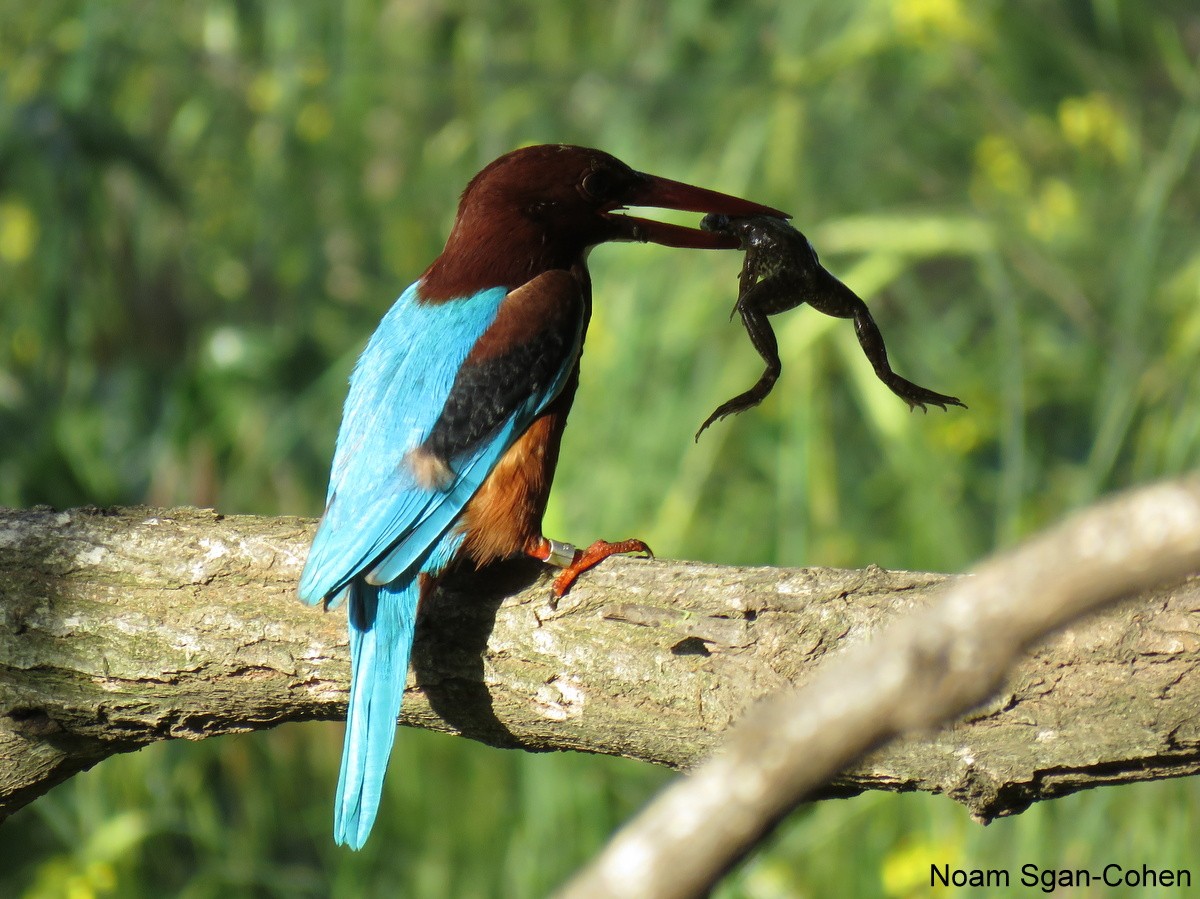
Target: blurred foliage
205	208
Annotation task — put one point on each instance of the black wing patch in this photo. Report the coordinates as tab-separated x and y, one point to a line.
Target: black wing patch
534	337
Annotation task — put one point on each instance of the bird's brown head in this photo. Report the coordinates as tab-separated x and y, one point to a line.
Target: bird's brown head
542	207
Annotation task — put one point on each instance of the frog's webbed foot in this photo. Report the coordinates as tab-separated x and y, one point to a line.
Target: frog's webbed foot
742	401
916	395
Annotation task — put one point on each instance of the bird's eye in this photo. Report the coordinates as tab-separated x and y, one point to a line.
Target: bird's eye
598	184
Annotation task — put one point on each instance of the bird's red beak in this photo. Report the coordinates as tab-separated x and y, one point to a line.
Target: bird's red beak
662	193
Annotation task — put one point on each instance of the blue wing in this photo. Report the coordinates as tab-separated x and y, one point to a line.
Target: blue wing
451	386
397	393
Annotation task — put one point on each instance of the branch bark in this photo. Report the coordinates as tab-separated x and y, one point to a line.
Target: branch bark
122	627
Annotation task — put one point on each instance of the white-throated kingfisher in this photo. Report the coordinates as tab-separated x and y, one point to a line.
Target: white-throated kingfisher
456	409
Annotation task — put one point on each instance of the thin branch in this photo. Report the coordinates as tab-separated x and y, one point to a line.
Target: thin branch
925	669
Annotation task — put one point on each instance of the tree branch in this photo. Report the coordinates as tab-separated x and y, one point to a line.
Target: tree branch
119	628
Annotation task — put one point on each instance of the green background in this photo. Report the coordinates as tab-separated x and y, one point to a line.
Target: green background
205	208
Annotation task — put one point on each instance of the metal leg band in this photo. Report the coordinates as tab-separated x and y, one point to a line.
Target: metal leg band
561	555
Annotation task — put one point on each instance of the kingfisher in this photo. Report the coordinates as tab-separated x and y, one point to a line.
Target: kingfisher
451	428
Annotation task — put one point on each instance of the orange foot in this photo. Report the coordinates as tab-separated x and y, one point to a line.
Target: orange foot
575	562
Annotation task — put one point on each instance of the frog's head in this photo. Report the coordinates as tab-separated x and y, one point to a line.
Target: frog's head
761	234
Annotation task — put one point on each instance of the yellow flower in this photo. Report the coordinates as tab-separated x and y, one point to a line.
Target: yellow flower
1093	121
264	92
1000	167
314	122
1055	210
925	21
18	231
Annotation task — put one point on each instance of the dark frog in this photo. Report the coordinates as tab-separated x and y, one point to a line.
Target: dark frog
780	272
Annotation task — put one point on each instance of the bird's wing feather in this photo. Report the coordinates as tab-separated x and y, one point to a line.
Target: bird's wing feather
441	391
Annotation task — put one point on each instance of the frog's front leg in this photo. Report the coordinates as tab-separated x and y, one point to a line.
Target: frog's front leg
834	298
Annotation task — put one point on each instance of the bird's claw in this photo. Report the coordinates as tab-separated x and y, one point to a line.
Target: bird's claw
590	558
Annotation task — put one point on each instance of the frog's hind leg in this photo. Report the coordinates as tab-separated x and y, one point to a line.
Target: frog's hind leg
763	338
838	300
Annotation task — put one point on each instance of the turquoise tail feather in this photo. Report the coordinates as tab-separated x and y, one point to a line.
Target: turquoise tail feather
381	635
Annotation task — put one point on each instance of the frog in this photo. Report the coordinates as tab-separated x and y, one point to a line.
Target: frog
781	271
